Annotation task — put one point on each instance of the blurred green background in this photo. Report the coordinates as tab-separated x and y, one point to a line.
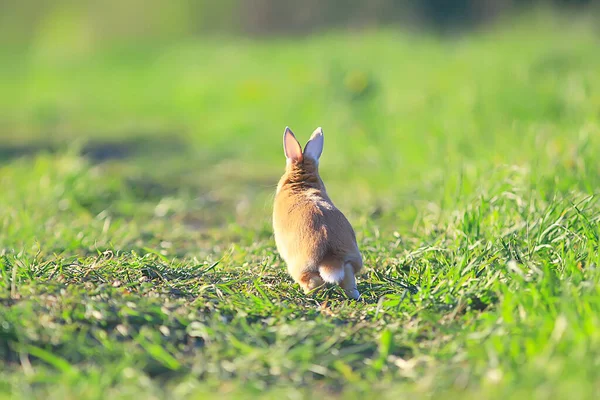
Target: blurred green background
191	97
403	89
110	20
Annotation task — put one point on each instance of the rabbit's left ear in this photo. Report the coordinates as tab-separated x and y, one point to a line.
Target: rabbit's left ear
291	147
314	147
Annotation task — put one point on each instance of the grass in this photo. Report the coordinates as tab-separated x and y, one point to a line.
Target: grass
136	254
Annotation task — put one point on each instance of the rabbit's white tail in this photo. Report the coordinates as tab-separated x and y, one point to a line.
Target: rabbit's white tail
332	275
339	272
332	270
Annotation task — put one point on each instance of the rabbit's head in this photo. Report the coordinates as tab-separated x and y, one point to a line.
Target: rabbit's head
302	167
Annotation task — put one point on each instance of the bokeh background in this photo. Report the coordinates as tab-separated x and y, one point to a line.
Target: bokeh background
94	22
191	97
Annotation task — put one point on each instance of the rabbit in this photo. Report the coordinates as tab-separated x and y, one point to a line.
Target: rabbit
312	236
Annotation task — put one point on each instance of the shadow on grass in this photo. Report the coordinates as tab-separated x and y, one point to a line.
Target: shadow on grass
101	150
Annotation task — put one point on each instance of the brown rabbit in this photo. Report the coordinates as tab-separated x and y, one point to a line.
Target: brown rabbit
313	237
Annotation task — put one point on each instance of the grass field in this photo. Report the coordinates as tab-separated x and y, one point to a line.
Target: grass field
136	252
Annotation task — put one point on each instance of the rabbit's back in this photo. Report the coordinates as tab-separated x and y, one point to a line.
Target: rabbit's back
308	227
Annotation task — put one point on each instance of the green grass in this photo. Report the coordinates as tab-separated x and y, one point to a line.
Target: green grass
137	258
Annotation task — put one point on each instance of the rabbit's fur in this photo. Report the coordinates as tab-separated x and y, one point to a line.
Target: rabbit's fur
313	237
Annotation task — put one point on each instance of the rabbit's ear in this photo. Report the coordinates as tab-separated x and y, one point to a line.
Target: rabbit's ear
291	147
314	147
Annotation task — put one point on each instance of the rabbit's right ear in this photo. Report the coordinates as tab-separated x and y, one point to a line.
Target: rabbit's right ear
291	147
314	147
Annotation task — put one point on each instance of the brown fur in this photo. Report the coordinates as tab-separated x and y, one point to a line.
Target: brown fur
312	235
